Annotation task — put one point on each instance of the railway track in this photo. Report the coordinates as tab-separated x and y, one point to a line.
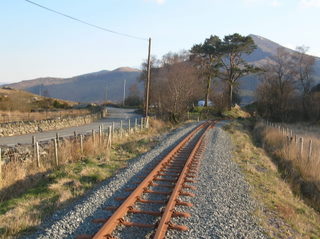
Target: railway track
151	205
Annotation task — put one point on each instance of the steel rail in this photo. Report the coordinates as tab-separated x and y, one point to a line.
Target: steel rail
116	218
169	211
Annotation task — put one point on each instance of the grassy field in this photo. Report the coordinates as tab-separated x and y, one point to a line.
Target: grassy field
57	187
18	105
282	213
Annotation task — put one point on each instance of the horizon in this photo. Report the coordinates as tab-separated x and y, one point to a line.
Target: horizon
36	43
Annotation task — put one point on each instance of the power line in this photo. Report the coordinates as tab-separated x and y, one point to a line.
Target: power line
87	23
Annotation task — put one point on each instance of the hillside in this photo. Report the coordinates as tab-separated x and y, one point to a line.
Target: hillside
102	85
91	87
264	52
22	101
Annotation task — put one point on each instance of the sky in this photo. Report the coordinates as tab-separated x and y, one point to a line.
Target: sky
38	43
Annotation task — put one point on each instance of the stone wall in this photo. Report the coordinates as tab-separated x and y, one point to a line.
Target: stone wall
27	127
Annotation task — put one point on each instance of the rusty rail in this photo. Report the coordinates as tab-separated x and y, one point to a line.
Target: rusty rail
170	165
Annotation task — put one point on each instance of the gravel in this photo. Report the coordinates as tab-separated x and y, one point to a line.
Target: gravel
76	218
223	207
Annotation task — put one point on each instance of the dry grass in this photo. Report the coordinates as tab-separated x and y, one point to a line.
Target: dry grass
298	165
15	116
281	212
22	101
36	192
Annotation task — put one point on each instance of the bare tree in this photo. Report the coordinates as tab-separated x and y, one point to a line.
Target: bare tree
175	86
276	92
304	67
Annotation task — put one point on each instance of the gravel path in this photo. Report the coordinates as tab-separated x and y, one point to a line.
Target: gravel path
222	206
76	219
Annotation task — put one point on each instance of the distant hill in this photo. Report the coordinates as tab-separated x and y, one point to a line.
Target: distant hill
22	101
265	50
91	87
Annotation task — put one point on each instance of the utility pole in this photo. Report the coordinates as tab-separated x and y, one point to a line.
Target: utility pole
148	82
124	91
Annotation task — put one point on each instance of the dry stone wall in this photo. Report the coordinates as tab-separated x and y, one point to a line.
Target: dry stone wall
28	127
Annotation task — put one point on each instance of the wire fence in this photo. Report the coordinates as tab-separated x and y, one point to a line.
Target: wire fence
46	155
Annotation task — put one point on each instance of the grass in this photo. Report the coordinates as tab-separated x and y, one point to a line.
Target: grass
18	105
300	168
23	212
281	213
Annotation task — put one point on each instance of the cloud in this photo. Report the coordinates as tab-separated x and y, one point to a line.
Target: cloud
276	3
156	1
272	3
309	3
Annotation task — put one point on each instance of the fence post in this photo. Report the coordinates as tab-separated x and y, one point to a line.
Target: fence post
112	129
141	123
301	147
310	150
75	136
34	146
38	154
135	124
100	134
93	137
121	129
81	143
109	137
147	122
56	152
129	126
57	138
188	115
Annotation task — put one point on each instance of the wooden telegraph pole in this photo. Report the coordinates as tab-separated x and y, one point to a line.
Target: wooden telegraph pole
148	82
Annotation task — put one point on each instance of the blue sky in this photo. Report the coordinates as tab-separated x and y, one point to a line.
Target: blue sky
37	43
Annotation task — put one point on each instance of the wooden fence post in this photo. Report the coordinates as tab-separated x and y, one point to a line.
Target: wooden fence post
56	152
81	143
110	137
93	137
38	154
100	134
301	147
135	124
74	136
129	126
121	128
310	150
34	146
147	122
112	129
57	138
141	124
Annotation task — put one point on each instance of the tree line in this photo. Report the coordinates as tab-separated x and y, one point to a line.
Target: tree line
286	91
211	71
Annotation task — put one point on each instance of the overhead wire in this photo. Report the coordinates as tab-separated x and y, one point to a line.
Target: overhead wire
87	23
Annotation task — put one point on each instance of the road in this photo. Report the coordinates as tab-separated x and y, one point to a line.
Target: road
115	115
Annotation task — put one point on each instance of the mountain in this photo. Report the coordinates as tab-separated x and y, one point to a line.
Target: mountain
91	87
266	49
